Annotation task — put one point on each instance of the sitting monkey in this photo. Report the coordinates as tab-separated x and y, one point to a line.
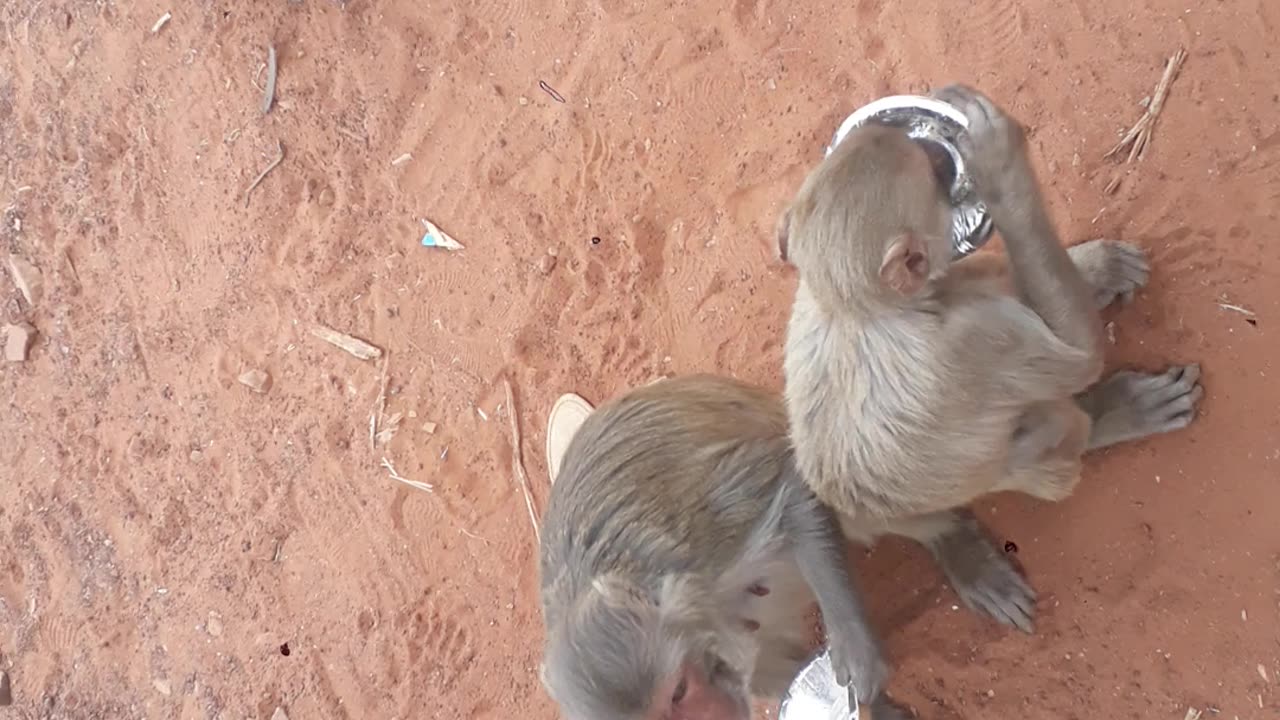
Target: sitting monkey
914	384
680	554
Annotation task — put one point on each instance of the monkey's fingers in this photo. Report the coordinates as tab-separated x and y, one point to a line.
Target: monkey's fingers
1169	386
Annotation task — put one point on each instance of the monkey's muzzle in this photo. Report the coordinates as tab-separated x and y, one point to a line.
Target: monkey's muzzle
815	695
935	125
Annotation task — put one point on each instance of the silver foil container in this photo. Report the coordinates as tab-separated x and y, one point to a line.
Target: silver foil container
935	123
815	694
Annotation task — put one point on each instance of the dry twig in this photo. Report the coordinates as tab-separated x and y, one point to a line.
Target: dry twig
551	91
1236	308
517	459
258	180
376	420
391	470
1139	136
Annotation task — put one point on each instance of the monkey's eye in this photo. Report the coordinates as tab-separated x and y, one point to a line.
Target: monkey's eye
682	688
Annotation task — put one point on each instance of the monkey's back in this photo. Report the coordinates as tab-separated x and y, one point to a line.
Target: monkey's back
880	422
665	478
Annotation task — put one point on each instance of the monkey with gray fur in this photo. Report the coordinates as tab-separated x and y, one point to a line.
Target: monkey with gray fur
680	553
915	385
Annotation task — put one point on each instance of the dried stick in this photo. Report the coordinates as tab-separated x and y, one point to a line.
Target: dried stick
391	470
517	459
258	180
1139	136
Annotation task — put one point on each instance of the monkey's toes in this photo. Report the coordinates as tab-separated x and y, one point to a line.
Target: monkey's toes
1168	401
1002	593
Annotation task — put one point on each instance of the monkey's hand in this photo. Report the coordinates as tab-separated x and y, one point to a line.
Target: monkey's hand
858	664
994	148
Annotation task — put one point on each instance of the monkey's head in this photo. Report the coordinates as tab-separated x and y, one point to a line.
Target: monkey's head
874	219
628	653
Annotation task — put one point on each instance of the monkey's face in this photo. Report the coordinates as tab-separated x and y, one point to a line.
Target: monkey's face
622	654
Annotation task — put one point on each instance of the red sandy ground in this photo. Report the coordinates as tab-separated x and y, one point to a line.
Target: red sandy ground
164	532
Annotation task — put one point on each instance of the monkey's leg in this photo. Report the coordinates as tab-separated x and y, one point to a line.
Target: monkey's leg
1044	453
1131	405
1114	270
983	576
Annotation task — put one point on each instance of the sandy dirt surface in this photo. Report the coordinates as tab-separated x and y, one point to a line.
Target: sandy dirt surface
175	545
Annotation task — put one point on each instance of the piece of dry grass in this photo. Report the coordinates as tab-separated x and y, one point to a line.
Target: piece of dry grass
1236	308
1139	136
517	459
279	158
391	470
353	345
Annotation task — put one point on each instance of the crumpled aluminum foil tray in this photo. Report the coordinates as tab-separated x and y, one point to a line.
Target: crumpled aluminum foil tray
815	694
938	123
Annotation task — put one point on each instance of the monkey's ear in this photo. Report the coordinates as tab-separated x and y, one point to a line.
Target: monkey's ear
905	267
783	232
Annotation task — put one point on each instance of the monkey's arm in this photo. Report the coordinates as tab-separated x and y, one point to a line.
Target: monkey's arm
1043	273
816	540
1045	277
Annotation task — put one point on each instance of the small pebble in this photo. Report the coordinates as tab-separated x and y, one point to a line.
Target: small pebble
18	340
546	264
429	428
214	625
196	456
6	691
27	278
256	380
523	100
162	687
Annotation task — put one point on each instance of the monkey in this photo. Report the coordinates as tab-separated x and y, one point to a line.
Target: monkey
915	384
680	553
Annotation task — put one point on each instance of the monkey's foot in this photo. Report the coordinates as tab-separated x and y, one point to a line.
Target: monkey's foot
984	577
1130	405
1114	270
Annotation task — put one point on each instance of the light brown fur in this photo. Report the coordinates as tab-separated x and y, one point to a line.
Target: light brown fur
680	542
915	385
